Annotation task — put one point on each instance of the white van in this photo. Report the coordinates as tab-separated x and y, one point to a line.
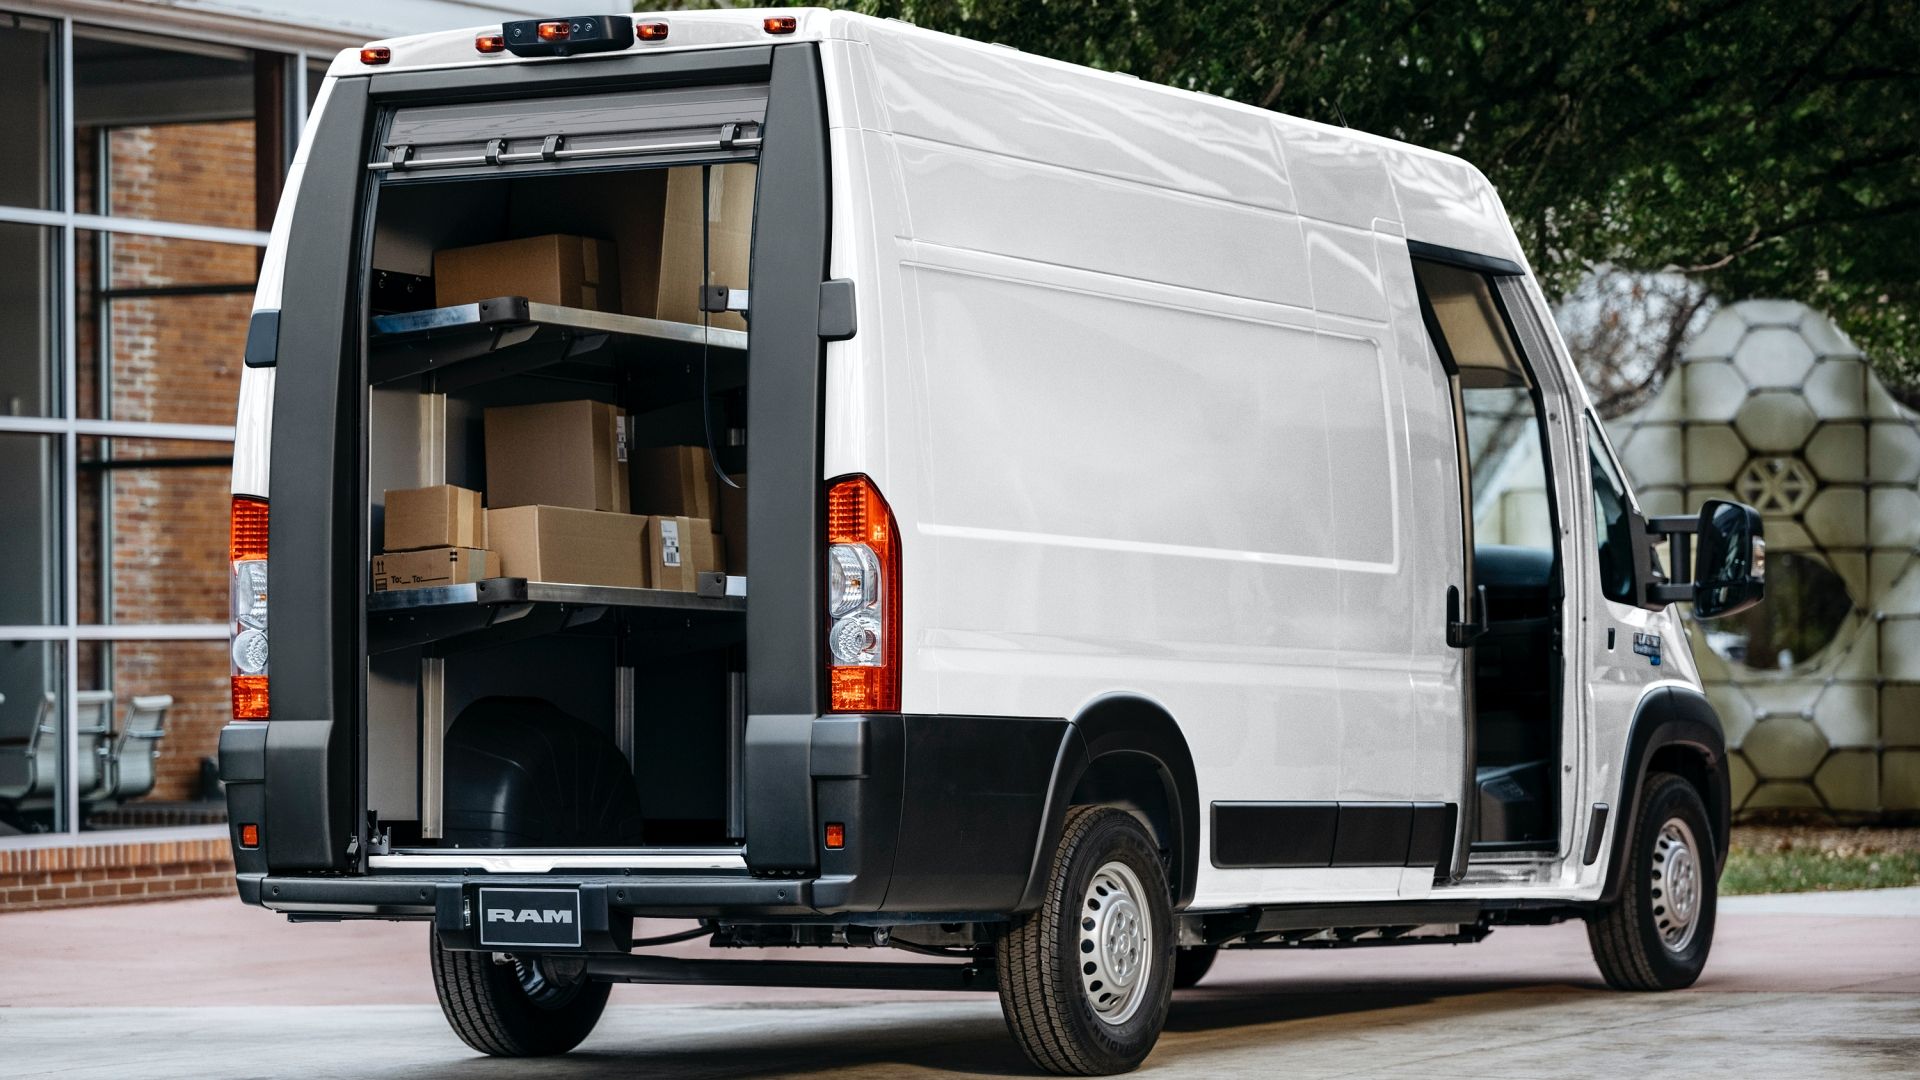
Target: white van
1174	527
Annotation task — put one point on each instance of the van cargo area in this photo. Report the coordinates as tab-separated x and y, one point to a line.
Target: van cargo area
556	472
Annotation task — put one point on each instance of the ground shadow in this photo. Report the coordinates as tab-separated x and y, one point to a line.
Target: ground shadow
971	1040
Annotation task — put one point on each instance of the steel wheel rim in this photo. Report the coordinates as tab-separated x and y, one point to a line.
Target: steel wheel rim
1675	891
1115	943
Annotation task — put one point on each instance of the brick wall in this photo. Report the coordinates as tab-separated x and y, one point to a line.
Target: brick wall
114	873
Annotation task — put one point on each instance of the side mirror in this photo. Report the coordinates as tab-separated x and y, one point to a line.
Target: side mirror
1731	563
1732	560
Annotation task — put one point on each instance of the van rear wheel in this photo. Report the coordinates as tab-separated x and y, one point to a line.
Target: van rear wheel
1658	932
1085	980
521	1007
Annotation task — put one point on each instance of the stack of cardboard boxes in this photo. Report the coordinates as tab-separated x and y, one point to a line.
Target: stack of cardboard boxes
558	509
435	536
560	505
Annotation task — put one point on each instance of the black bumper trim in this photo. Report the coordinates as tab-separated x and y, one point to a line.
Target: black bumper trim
414	896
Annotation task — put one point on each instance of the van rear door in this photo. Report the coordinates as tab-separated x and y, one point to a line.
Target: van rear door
605	111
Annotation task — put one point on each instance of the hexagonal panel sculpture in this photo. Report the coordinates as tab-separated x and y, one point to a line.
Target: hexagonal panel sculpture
1784	748
1820	691
1774	356
1775	420
1775	485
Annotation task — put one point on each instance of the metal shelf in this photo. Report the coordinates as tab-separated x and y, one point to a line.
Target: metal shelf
451	618
468	344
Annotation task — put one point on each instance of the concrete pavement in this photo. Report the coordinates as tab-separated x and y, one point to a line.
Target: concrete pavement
208	989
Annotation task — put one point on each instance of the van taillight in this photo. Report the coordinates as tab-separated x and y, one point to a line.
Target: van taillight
863	599
247	606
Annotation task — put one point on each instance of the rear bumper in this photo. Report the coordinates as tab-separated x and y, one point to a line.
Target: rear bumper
942	815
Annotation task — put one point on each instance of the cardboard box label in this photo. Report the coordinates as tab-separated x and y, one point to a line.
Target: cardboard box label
669	542
679	549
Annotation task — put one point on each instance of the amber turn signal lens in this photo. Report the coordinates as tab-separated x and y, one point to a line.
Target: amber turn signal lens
836	835
249	836
651	31
782	24
250	697
490	43
555	31
247	529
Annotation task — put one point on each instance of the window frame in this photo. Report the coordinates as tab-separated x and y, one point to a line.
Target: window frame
298	67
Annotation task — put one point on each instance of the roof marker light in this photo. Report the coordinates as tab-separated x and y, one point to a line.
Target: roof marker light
569	36
651	31
781	24
375	54
490	43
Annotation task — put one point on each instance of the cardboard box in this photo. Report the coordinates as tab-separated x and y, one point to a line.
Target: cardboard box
678	549
732	524
434	566
566	544
730	241
443	516
674	480
570	271
567	453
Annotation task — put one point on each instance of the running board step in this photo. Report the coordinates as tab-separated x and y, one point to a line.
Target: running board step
837	975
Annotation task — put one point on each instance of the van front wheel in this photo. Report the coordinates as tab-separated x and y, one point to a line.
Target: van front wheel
1656	935
1085	980
517	1008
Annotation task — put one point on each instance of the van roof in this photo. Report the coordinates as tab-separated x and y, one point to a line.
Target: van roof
739	28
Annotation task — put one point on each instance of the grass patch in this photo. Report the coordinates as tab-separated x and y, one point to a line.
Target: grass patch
1765	859
1750	872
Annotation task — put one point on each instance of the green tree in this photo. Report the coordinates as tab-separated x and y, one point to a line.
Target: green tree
1761	147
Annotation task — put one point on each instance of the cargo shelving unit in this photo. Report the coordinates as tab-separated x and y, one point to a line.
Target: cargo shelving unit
458	348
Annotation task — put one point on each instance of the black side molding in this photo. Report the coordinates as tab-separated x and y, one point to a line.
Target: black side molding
1596	828
1297	835
263	339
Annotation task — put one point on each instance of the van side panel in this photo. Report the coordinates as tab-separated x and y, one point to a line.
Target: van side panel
1163	437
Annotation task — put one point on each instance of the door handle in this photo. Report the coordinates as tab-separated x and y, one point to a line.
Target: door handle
1462	634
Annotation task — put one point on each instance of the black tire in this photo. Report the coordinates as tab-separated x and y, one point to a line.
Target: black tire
1049	1006
514	1009
1191	964
1644	940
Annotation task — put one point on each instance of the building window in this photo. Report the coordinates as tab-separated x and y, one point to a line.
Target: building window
161	326
26	123
131	241
29	319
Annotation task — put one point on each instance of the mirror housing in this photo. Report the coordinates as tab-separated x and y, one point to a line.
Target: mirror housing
1731	560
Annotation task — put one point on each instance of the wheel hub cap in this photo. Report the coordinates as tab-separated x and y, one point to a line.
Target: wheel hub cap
1675	891
1116	943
